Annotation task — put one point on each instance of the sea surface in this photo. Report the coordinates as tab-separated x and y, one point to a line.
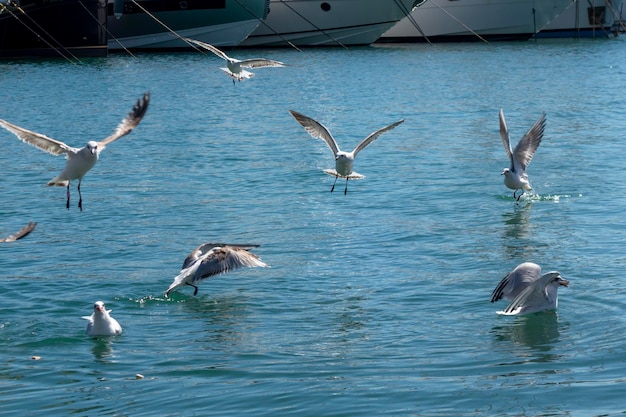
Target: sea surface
376	303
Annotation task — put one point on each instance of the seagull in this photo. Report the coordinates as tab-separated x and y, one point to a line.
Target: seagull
516	177
343	160
235	66
211	259
101	323
79	161
21	233
528	290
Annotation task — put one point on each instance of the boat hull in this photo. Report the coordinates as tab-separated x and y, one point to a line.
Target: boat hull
475	20
328	23
584	19
62	28
220	23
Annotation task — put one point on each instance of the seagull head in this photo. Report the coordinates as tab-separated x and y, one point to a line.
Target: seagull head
557	280
92	147
505	171
98	307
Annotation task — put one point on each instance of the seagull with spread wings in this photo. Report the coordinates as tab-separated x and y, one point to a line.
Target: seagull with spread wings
528	290
79	161
235	67
211	259
516	177
344	161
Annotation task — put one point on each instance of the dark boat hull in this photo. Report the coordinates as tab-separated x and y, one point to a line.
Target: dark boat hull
53	28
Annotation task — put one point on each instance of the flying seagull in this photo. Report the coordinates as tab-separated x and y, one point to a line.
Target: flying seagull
79	161
21	233
528	290
344	161
235	67
211	259
101	323
516	177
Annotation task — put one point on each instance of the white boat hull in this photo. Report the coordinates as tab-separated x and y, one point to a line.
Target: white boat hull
588	18
443	20
328	23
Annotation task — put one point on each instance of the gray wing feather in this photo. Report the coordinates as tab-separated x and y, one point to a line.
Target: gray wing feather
209	47
260	63
21	233
525	149
316	130
506	140
130	121
42	142
373	136
225	259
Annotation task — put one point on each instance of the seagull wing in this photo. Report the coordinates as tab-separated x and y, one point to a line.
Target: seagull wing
373	136
525	149
504	134
224	259
21	233
43	142
516	281
260	63
316	130
198	252
129	123
209	47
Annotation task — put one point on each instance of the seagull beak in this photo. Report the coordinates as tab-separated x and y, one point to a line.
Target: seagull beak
94	151
564	282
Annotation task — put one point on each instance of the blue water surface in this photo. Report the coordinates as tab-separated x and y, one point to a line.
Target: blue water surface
376	302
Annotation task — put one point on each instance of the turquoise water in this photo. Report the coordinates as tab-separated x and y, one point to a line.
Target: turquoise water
376	302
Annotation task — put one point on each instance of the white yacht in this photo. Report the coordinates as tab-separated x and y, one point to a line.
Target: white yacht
475	20
585	19
328	23
149	24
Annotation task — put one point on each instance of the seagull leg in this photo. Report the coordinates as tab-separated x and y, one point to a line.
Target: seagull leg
80	197
67	203
195	291
333	188
345	191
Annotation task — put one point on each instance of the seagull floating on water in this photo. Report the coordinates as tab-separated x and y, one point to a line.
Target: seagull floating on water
79	161
235	67
21	233
516	177
211	259
344	161
101	323
528	290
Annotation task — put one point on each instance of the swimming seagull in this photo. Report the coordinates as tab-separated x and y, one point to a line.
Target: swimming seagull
21	233
344	161
101	323
211	259
516	177
79	161
235	66
528	290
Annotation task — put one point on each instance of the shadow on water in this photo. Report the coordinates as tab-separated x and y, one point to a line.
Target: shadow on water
102	349
516	231
539	332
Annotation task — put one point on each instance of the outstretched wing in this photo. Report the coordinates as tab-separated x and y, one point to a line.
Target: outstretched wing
43	142
129	123
209	47
201	250
525	149
260	63
225	259
316	130
21	233
373	136
506	140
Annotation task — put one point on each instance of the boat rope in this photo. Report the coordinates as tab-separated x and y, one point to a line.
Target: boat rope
411	19
106	29
268	26
616	15
458	21
57	50
314	25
